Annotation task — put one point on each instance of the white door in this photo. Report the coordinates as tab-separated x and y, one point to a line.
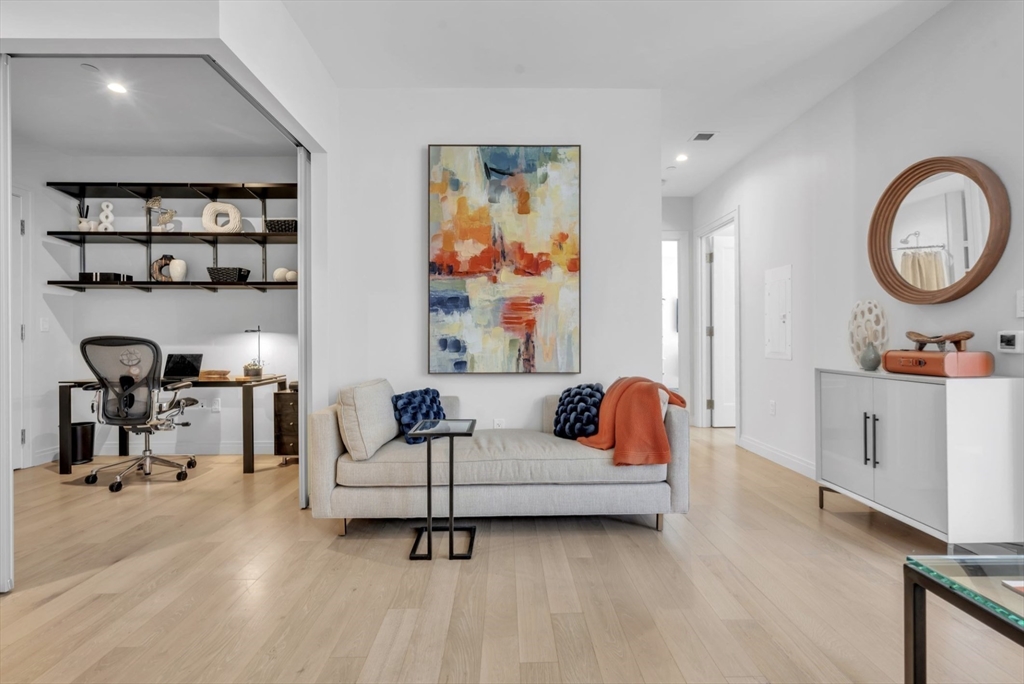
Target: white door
19	413
910	457
845	429
723	324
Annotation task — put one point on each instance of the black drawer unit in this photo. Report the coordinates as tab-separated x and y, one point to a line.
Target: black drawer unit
286	423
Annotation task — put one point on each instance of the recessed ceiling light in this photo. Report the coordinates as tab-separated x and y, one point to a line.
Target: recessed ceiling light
681	157
89	67
117	88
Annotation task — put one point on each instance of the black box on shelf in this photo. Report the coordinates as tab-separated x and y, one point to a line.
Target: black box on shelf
104	277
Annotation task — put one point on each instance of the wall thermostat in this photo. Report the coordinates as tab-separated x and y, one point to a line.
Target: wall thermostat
1011	341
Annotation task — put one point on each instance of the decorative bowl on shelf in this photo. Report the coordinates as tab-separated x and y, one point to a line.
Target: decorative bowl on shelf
227	274
282	225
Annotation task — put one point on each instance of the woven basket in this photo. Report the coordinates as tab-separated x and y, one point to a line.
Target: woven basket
282	225
226	274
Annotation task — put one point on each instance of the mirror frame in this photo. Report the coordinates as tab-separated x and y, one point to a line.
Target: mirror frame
880	233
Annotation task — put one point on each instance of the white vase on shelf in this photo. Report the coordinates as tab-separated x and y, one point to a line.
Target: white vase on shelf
178	269
83	225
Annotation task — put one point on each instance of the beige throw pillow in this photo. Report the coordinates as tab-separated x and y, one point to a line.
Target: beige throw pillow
366	418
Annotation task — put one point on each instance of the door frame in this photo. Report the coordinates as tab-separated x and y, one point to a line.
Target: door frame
19	289
6	337
701	314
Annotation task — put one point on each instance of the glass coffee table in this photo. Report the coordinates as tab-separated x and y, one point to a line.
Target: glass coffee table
431	430
984	587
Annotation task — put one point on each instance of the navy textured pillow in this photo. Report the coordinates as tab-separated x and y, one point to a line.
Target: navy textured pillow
412	407
576	415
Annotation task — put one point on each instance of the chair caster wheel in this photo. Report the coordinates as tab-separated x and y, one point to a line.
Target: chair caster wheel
115	486
181	475
91	478
191	463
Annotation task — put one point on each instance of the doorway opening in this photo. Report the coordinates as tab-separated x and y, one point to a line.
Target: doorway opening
670	362
718	327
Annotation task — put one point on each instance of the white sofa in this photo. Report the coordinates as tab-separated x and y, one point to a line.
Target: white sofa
497	473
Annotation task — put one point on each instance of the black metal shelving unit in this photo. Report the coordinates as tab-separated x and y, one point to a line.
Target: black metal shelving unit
212	192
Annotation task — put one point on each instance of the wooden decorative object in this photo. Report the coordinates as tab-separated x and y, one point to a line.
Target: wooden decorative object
880	234
158	266
958	340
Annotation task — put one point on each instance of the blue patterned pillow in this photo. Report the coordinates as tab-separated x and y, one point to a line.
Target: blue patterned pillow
577	412
412	407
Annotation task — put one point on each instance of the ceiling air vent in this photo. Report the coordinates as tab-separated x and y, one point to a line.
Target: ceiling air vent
703	136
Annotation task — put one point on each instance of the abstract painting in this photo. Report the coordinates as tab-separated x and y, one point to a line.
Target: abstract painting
504	246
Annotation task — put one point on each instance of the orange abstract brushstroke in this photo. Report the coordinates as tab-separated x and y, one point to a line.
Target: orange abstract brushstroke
527	264
472	224
517	184
519	315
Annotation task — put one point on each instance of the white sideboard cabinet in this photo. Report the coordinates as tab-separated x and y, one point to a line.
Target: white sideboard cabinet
943	455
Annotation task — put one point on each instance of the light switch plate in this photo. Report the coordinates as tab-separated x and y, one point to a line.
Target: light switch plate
1011	341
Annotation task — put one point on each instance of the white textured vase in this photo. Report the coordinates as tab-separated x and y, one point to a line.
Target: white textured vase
83	225
867	324
178	269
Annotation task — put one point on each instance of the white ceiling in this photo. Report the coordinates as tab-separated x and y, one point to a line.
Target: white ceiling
743	68
173	107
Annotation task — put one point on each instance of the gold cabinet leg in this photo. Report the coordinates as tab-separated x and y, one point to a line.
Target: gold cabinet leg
343	527
660	523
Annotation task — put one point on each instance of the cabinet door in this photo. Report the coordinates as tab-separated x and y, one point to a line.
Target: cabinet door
910	462
844	399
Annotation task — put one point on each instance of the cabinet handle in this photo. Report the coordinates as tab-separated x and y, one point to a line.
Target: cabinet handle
874	440
865	438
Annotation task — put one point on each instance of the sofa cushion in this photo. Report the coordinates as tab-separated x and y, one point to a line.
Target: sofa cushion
493	457
577	412
366	417
412	407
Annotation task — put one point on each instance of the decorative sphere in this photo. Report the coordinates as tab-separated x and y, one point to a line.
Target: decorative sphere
280	274
292	276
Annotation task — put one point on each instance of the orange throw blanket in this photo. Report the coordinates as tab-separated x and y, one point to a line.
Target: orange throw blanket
630	420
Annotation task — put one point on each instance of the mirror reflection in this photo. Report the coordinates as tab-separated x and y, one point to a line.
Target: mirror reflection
940	231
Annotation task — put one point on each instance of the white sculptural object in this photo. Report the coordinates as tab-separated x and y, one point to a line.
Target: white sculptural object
215	209
280	274
291	276
106	218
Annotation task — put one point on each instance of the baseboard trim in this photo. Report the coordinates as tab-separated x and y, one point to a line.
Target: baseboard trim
189	447
805	468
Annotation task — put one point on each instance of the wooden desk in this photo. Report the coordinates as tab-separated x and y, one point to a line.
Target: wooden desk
246	384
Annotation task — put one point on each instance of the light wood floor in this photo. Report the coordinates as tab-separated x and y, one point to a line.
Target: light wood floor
222	579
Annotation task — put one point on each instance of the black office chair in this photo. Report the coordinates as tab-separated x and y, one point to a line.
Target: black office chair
128	370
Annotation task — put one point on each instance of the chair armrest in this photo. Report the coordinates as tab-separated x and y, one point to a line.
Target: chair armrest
323	447
93	387
177	386
677	426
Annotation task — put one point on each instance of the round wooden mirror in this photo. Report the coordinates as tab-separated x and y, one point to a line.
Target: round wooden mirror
938	230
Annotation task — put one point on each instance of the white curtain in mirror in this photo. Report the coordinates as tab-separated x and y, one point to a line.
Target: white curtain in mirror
939	231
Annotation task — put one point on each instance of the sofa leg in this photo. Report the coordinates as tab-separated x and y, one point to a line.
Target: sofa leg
343	527
659	524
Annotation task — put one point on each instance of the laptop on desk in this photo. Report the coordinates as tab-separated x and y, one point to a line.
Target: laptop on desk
180	367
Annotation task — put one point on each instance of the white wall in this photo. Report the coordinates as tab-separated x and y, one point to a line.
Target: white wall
806	197
179	320
381	269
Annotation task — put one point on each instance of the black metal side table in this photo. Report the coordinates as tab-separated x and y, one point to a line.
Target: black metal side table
431	429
